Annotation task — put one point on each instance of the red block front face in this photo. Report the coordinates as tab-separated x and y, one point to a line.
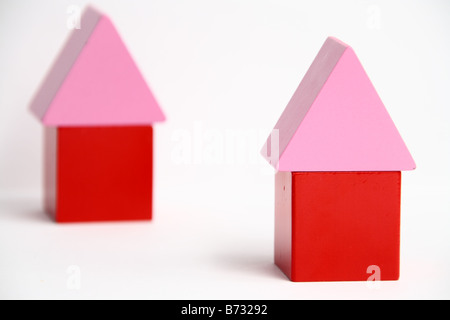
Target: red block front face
341	223
100	173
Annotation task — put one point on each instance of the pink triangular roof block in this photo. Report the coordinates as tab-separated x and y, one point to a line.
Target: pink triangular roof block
336	121
95	81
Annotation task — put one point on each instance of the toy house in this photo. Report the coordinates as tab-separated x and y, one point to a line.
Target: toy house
98	113
339	158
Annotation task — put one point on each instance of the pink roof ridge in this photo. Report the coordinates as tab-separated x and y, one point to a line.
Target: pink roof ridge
336	121
94	81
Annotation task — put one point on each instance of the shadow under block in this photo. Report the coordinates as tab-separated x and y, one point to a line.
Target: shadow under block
98	173
331	226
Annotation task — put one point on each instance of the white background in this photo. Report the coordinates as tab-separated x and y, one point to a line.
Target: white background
223	72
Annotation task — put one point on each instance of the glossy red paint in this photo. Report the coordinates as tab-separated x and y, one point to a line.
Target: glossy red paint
101	173
332	226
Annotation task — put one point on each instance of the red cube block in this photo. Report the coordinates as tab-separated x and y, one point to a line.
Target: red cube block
98	173
333	226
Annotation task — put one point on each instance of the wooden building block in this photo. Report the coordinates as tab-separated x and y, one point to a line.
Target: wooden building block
99	173
337	122
95	81
331	226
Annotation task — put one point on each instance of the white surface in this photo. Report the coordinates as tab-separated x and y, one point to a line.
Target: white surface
223	72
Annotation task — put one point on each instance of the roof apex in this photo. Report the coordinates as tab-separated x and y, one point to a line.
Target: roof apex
94	81
336	121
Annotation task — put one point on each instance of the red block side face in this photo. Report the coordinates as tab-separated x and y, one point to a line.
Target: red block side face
343	223
50	159
104	173
283	222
